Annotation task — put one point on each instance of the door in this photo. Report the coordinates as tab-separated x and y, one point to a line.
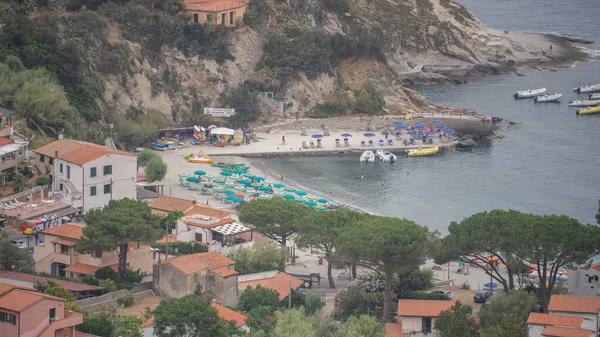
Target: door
68	172
223	19
196	18
231	18
426	326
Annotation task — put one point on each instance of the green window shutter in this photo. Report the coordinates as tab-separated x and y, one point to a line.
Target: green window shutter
107	169
92	190
2	317
106	188
92	172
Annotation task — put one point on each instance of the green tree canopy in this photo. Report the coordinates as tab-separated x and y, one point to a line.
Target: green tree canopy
116	225
55	289
509	327
320	230
156	170
362	326
387	246
190	316
258	297
259	258
11	256
293	323
144	157
110	324
275	218
257	319
457	322
518	303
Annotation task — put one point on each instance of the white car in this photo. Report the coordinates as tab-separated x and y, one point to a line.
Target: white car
21	243
444	292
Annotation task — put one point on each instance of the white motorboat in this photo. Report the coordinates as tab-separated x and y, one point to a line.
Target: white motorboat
548	98
529	93
386	156
367	157
594	96
587	88
584	102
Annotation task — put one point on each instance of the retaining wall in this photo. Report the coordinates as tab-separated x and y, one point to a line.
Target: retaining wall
109	301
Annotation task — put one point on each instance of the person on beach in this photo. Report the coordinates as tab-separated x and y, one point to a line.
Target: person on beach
281	177
283	140
551	48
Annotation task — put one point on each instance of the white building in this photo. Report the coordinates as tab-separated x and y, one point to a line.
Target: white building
586	307
418	317
585	282
91	174
539	325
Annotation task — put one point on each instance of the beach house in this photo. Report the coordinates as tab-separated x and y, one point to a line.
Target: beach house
90	174
180	276
584	282
229	13
24	312
11	154
55	253
418	317
586	307
539	325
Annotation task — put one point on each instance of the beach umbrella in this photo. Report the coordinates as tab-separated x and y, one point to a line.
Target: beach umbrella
369	134
412	133
238	200
398	123
255	185
310	203
419	127
300	192
230	192
239	195
320	208
218	188
192	179
265	188
259	178
209	176
346	135
279	185
239	188
317	135
289	189
200	173
448	131
245	181
491	285
264	196
219	181
289	197
182	175
269	182
229	184
230	197
301	200
430	132
239	171
249	174
323	201
278	194
334	204
418	123
226	173
436	121
402	127
311	197
235	177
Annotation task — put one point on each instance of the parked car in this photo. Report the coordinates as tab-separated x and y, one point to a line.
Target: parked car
481	296
19	243
444	292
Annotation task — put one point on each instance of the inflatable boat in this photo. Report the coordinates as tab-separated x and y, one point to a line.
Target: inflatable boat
594	96
589	111
367	157
200	158
587	88
584	102
422	151
386	156
529	93
547	98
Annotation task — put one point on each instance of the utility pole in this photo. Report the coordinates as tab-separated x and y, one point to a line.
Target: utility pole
111	188
290	296
167	240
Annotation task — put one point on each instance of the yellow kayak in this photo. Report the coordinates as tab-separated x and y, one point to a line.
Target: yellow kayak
589	110
423	152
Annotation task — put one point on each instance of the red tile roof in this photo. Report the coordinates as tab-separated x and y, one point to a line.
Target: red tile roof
5	141
82	268
580	304
77	152
148	323
17	299
393	330
281	283
556	320
69	230
64	242
210	225
225	271
423	308
208	211
193	263
230	315
171	204
555	331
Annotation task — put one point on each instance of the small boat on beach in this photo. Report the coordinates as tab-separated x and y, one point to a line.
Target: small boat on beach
422	151
199	158
584	102
548	98
587	88
386	156
367	157
530	93
594	96
589	110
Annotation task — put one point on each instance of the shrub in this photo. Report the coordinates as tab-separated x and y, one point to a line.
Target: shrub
465	286
258	297
312	302
256	9
245	103
134	276
55	289
41	181
125	300
368	101
354	301
359	41
106	273
324	111
336	6
156	169
259	258
109	284
84	99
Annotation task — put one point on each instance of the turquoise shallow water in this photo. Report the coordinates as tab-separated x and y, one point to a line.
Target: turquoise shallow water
548	163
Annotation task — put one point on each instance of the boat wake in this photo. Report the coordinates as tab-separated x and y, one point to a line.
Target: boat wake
595	53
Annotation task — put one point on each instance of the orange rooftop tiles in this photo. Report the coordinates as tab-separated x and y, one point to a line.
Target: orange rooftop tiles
208	211
194	263
556	320
230	315
281	283
5	141
69	230
17	299
423	308
171	204
574	304
77	152
554	331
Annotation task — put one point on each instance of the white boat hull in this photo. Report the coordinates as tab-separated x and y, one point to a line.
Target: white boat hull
548	99
529	93
386	156
587	89
594	96
584	103
367	157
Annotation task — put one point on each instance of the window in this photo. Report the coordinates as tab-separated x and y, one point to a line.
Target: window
2	317
51	161
199	237
426	324
223	18
64	249
231	18
92	191
107	169
195	18
106	188
60	168
60	187
209	18
68	172
52	314
42	158
92	172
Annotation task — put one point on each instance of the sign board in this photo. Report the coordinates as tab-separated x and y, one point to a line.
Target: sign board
219	112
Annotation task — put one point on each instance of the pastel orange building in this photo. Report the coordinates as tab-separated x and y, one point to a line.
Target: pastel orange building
229	13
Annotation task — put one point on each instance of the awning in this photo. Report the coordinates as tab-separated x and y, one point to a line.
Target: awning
231	228
222	131
64	242
87	269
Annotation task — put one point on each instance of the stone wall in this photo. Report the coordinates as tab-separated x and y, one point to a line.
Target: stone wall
109	301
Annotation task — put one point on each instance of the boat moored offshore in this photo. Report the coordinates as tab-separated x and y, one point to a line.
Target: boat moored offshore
422	151
587	88
548	98
530	93
386	156
367	157
594	96
584	102
589	110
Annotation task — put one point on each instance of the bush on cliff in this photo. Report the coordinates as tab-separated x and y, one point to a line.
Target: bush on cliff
336	6
245	103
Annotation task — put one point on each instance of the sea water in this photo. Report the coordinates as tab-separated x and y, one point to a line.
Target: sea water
549	162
